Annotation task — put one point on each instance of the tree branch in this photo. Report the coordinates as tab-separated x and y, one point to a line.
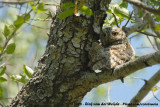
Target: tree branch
145	89
16	2
144	6
123	70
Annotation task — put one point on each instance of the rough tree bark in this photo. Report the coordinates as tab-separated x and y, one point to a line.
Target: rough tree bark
63	77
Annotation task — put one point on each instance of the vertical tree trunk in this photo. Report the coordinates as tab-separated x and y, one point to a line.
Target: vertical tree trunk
58	80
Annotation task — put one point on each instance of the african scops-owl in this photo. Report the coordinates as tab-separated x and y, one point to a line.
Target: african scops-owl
113	50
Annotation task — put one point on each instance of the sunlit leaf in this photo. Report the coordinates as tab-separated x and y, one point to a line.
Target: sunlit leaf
2	70
32	5
66	13
86	10
20	78
154	89
157	28
28	71
6	31
109	11
40	8
120	11
2	79
27	17
10	48
19	21
123	4
11	27
67	5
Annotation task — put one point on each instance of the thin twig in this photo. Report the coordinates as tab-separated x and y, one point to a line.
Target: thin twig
51	4
155	96
16	2
41	19
157	44
6	42
109	93
115	19
140	4
136	78
129	19
145	89
148	34
37	26
151	43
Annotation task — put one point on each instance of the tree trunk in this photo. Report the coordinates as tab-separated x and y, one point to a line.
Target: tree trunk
60	77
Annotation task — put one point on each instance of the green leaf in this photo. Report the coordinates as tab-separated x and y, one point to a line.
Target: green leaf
10	48
86	10
1	59
6	31
32	5
40	8
120	11
28	71
66	13
1	48
154	89
123	4
2	79
20	78
67	5
35	68
2	70
157	18
27	17
109	11
157	28
19	21
156	3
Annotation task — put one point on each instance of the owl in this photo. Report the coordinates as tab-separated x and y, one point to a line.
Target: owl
114	49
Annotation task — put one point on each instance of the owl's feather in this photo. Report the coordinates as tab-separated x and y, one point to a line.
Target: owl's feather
114	50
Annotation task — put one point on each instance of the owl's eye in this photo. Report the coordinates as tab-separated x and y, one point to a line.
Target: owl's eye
114	33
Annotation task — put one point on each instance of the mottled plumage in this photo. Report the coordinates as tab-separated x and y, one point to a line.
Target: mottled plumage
114	50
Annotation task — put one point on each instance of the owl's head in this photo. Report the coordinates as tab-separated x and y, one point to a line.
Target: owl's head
112	35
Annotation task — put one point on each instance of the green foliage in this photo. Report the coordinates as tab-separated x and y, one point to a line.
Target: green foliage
157	18
22	78
6	31
66	13
19	21
27	71
86	10
120	11
123	4
10	48
2	70
40	8
157	27
154	89
154	2
67	5
32	5
2	79
28	16
1	48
